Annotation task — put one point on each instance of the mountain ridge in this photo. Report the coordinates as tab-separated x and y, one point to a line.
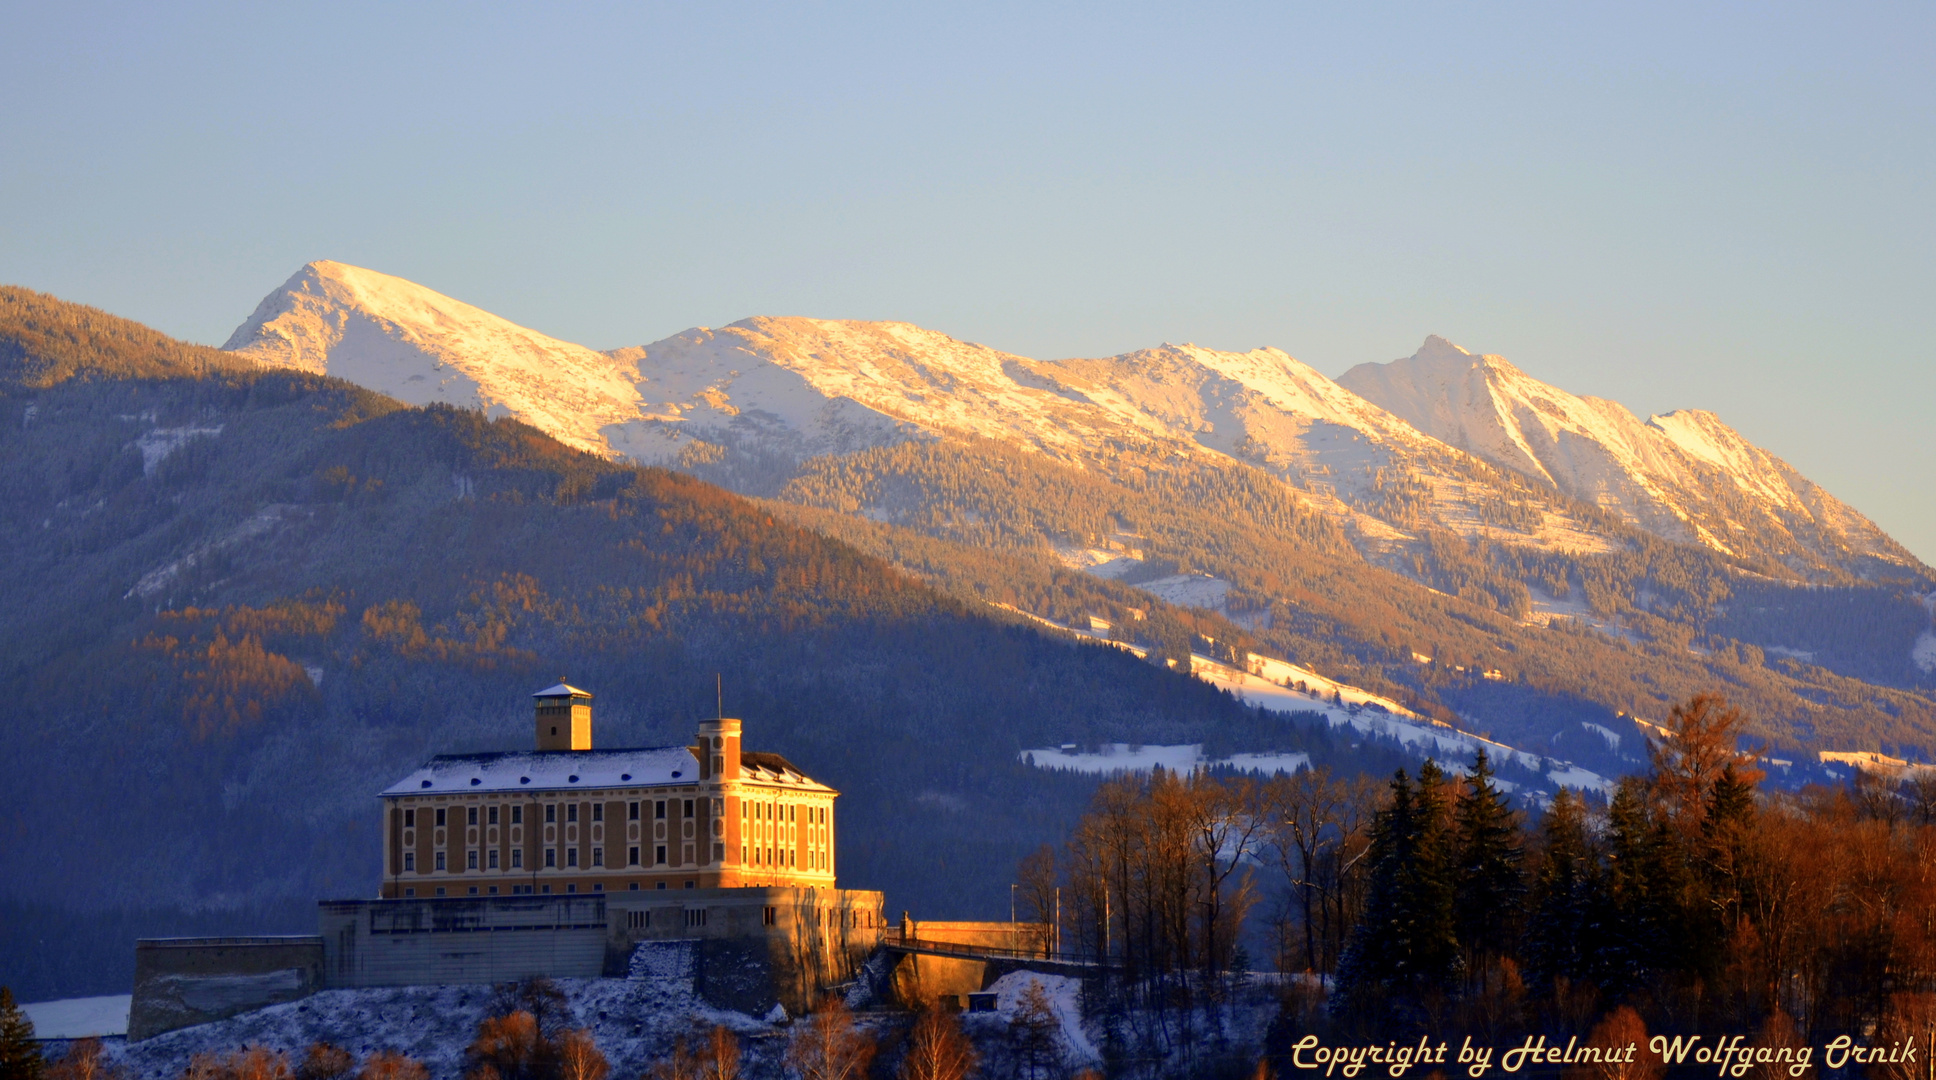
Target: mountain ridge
1683	475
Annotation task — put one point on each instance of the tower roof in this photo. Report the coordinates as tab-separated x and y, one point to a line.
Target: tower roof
562	690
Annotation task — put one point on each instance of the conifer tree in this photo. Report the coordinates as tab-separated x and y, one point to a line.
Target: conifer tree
1381	939
1407	941
1487	865
1433	884
19	1055
1641	890
1563	938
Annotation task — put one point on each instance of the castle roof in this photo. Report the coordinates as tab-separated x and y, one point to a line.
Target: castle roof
562	690
582	770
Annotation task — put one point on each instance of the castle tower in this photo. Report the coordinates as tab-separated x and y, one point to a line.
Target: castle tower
718	750
564	720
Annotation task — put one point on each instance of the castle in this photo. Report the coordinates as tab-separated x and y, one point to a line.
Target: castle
562	861
569	818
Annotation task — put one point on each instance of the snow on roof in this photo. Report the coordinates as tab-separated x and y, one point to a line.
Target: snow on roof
574	770
561	690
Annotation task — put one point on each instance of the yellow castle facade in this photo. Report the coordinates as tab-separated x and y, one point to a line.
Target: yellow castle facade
569	818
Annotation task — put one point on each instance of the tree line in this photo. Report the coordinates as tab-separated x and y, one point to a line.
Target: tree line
1688	896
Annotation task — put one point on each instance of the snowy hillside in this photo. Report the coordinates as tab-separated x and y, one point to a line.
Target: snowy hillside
1685	475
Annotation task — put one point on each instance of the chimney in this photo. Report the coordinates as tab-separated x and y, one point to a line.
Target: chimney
564	720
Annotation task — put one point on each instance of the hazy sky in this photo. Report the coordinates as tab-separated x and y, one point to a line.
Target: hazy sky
1726	206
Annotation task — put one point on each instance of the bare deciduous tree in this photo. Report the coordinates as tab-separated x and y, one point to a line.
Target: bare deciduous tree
937	1050
827	1046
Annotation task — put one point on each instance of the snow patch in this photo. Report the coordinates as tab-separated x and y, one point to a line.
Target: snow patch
155	581
79	1018
156	445
1065	1001
1112	758
1189	590
1611	736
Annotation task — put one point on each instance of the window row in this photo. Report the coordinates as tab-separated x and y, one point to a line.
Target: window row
682	808
550	858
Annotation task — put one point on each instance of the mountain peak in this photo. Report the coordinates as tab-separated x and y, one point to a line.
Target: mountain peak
1681	475
1438	348
420	346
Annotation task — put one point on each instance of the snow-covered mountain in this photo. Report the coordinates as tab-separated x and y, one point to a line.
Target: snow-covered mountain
421	347
1685	475
1389	450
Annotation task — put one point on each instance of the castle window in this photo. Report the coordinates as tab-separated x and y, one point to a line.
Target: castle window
551	857
493	859
440	817
598	856
517	858
517	815
409	819
659	853
493	815
409	892
688	808
571	856
470	816
571	888
719	852
769	916
409	860
632	811
598	811
551	812
637	920
633	855
658	810
440	860
571	812
470	860
695	916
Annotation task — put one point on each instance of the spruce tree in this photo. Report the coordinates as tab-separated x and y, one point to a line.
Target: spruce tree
1561	941
1487	865
1432	885
1407	941
1372	958
1639	894
19	1055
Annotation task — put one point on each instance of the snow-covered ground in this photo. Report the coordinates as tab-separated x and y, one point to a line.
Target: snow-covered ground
1065	1000
79	1018
1281	686
634	1020
1114	758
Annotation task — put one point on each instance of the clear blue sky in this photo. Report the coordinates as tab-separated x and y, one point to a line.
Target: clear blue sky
1726	207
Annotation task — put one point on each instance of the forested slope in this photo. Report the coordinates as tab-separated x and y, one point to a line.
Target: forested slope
1673	620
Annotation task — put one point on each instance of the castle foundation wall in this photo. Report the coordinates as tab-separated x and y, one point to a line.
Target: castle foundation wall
179	982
